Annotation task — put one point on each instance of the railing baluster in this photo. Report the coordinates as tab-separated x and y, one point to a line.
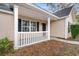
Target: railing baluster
27	38
20	39
30	37
33	38
24	39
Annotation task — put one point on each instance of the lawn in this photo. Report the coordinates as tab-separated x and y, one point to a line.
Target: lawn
48	48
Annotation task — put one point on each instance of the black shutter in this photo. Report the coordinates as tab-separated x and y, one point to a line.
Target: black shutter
43	27
37	26
19	25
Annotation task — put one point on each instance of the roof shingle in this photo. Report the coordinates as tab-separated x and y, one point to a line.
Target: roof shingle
63	12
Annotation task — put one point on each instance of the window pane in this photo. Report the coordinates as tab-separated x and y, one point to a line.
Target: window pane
33	26
25	26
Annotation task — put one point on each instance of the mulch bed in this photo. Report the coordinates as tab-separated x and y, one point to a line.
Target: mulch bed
48	48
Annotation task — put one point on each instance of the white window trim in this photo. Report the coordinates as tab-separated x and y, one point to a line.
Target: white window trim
30	26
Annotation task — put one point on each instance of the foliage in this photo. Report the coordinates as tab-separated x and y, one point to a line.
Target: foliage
75	30
5	46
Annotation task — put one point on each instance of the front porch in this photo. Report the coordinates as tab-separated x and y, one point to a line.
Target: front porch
27	32
30	32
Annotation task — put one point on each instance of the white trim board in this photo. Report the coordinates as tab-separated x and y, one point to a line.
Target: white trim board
5	11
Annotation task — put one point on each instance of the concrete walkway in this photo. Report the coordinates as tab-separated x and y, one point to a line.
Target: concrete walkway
66	41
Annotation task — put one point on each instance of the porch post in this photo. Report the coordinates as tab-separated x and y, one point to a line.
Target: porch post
15	27
49	28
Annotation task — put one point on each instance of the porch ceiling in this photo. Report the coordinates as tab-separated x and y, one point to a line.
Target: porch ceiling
30	11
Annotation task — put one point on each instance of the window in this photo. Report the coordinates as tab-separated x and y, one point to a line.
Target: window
24	26
33	26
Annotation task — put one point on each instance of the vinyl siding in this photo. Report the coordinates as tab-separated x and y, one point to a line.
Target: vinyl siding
58	28
6	25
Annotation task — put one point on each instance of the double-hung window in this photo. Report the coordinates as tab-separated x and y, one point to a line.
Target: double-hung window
33	26
26	26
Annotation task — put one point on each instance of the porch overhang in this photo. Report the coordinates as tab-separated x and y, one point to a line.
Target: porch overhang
23	38
31	11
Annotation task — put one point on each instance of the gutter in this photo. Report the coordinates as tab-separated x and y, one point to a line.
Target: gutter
5	11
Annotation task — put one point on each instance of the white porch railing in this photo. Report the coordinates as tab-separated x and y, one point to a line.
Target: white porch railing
27	38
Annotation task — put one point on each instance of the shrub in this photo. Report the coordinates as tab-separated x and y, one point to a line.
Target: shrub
75	30
5	46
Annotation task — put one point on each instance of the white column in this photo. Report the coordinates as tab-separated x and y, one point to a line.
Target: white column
15	27
66	28
49	28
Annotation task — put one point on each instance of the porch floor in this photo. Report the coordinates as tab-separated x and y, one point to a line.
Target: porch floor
48	48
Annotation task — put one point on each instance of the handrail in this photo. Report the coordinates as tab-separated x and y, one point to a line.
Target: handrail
34	32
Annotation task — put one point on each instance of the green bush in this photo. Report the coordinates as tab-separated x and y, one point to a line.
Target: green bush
75	30
5	46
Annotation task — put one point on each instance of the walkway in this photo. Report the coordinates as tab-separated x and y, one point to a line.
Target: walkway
66	41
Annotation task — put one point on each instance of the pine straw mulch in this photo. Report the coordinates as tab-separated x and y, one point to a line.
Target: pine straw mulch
48	48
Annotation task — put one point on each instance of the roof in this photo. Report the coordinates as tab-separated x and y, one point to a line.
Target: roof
57	15
63	12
